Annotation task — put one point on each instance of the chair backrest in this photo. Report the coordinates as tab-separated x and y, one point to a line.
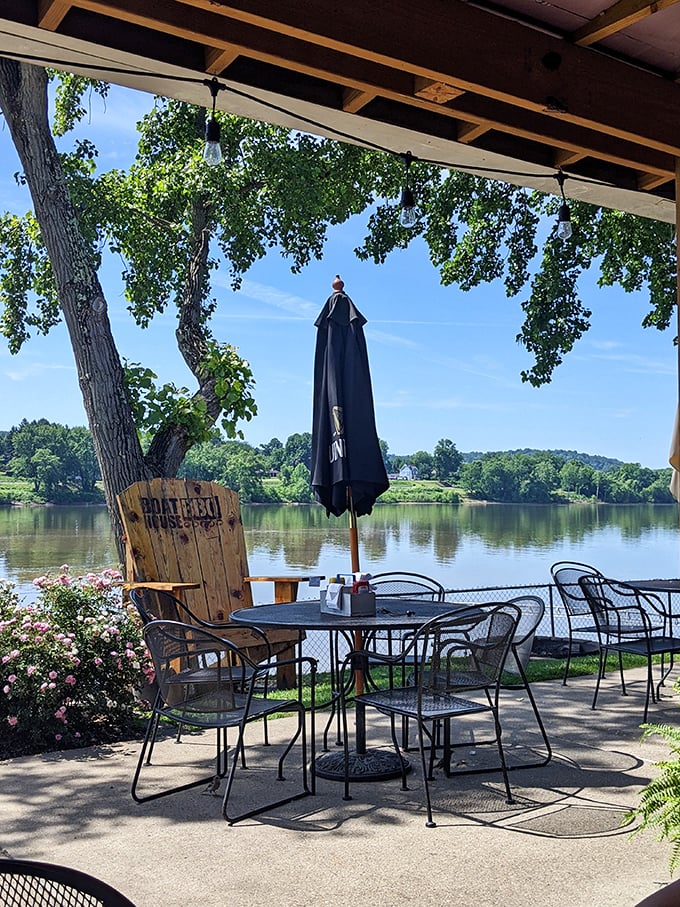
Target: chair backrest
475	639
188	532
196	671
531	611
614	606
157	604
407	585
27	883
566	576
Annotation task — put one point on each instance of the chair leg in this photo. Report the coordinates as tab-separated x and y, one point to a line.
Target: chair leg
603	659
624	691
306	790
650	687
501	753
421	740
568	661
149	736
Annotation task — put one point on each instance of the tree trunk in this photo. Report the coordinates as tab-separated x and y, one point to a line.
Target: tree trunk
23	100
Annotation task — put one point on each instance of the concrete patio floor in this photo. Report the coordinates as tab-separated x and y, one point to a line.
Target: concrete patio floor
561	844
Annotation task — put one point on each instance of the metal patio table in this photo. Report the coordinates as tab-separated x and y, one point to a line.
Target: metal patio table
665	587
391	614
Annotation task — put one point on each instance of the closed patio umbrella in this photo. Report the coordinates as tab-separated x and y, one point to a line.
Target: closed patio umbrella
674	458
348	472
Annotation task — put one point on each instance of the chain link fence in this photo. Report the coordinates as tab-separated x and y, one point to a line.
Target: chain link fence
553	625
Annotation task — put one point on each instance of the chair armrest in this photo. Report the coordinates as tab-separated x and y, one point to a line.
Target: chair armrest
161	586
285	587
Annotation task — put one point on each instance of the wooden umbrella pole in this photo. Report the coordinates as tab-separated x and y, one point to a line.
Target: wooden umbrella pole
358	635
677	262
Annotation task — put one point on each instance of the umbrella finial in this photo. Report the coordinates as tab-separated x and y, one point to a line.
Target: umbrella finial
338	285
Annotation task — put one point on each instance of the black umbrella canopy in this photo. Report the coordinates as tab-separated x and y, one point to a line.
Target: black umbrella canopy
348	472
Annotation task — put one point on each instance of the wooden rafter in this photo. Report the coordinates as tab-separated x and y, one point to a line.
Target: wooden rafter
51	13
465	73
616	18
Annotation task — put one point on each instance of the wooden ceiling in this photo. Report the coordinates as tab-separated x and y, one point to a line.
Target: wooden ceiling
517	88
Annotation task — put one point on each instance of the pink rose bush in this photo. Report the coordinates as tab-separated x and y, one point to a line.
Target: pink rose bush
71	664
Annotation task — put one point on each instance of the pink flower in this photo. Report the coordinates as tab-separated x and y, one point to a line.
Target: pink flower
12	721
77	734
98	661
51	686
53	675
6	688
57	737
12	678
14	653
70	679
64	568
31	669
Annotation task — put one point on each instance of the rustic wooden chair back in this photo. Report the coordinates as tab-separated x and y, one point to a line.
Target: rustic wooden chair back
186	537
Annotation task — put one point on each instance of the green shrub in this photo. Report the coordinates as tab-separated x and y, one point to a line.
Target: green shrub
71	664
659	807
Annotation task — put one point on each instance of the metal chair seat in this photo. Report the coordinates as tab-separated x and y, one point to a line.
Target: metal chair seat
29	883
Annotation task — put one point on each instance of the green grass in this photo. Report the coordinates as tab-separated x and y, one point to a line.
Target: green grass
538	669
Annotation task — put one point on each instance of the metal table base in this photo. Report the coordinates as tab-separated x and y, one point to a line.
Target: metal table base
373	765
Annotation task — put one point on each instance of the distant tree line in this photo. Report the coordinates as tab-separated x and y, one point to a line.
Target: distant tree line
543	477
61	464
59	461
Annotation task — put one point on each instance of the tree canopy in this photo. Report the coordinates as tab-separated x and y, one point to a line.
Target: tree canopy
173	220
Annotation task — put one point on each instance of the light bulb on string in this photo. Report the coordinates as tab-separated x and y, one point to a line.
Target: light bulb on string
212	151
408	215
564	228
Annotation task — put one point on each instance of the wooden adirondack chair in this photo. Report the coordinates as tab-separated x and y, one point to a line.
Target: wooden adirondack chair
186	537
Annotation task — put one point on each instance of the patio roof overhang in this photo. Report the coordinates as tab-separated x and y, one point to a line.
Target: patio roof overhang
519	88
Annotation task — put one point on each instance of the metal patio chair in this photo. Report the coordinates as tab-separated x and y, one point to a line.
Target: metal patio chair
566	576
157	604
531	609
468	640
387	585
629	620
28	883
207	682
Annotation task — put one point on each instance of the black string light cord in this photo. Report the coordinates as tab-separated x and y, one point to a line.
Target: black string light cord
215	85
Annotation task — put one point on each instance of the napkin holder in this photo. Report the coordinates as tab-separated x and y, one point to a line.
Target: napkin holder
340	600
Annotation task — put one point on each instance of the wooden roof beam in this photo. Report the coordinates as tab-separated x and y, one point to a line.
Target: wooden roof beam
617	17
468	132
494	57
649	181
353	99
217	59
51	13
564	157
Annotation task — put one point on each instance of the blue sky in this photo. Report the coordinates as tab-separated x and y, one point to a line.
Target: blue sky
445	364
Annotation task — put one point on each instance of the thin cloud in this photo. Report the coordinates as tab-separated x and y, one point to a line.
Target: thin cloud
38	368
606	344
639	364
296	306
391	339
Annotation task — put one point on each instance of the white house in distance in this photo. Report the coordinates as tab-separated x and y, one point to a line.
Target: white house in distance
407	472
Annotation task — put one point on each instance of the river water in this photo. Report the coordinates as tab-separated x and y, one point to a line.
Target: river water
461	545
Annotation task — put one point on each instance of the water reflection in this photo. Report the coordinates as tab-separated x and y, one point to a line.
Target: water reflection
461	545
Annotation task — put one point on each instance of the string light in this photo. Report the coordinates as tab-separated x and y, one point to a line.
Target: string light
564	229
409	216
212	152
407	201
